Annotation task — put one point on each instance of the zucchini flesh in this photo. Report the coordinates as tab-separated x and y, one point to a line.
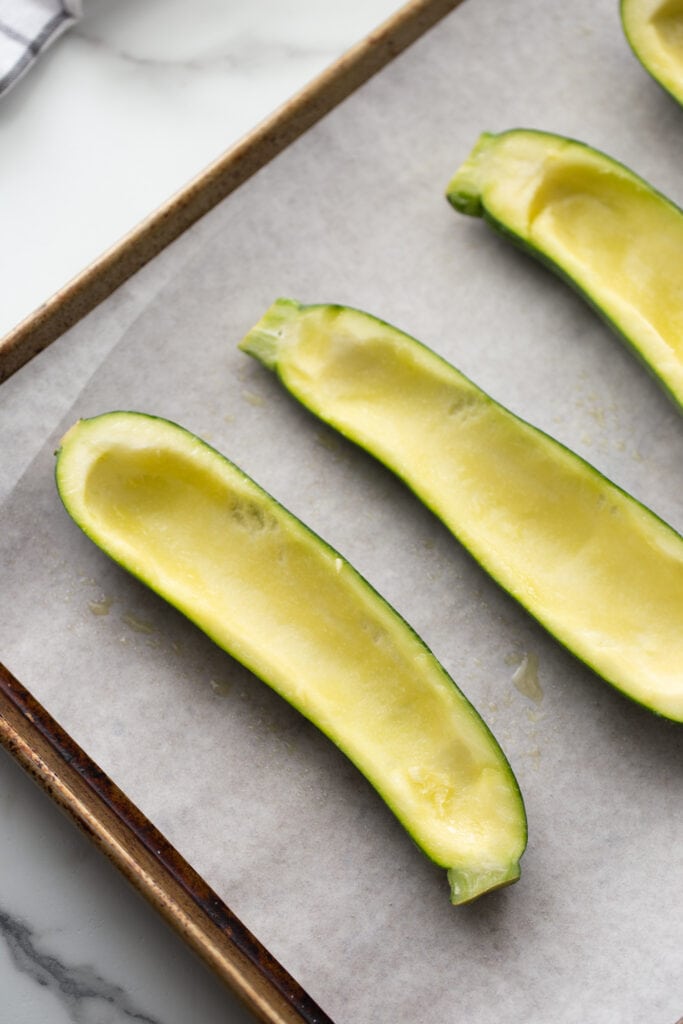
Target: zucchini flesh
203	535
617	240
654	30
600	571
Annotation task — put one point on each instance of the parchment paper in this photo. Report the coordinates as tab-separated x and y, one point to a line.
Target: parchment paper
264	807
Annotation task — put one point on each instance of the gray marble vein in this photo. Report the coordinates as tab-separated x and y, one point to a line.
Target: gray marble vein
78	987
240	53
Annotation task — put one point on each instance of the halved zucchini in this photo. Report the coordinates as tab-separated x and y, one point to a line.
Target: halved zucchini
654	30
600	571
615	238
203	535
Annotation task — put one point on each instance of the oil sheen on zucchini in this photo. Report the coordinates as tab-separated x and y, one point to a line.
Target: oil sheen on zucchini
654	30
199	532
600	571
617	240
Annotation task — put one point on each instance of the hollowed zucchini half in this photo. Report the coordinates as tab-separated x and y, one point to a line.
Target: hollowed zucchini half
654	30
198	531
617	240
599	570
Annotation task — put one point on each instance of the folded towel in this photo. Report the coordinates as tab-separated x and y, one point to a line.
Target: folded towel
27	27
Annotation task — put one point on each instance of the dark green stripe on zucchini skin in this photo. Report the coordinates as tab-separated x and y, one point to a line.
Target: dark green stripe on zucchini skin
614	238
187	522
600	571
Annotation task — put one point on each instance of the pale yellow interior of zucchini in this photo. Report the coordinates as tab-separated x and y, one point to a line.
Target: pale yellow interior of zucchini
667	21
618	239
189	523
600	571
655	29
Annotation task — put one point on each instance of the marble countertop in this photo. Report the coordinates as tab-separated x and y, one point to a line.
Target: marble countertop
117	116
133	102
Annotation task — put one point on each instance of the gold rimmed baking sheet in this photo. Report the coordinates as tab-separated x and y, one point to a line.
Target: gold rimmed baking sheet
267	812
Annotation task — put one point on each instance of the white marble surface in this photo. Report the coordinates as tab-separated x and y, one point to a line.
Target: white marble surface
133	102
78	944
118	115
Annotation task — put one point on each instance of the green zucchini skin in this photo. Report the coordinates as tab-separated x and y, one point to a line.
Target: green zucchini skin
471	192
122	478
332	383
644	23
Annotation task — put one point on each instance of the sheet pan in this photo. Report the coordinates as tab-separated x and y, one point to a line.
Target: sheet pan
268	814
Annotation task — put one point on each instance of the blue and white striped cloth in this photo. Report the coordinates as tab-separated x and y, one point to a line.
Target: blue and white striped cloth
27	27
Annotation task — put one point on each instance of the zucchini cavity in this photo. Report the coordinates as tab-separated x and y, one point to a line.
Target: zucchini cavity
199	532
600	571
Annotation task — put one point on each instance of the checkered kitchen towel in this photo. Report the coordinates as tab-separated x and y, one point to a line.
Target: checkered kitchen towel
27	27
